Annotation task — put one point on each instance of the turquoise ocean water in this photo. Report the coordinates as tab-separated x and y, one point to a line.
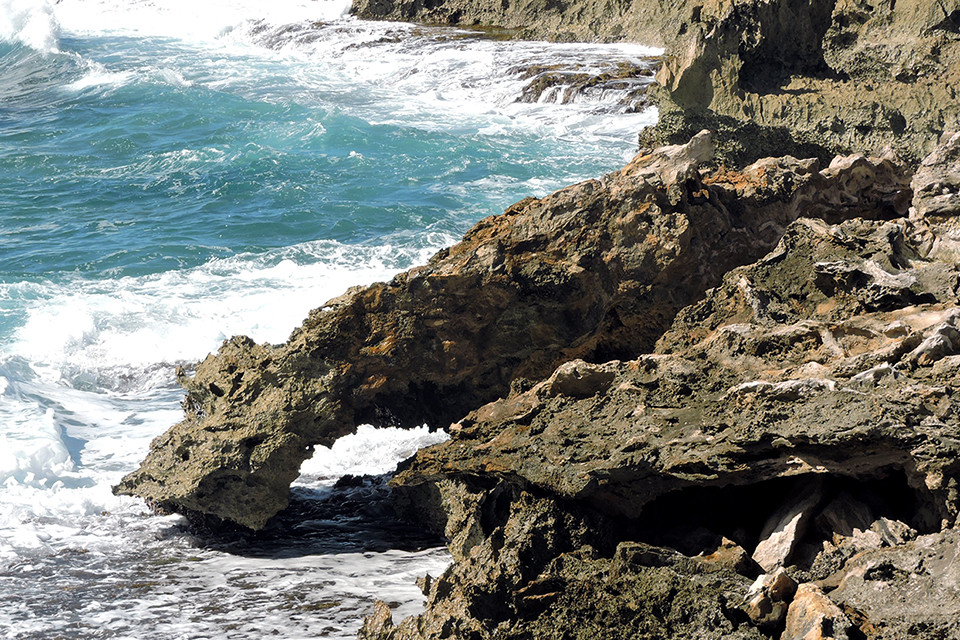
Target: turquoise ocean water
173	173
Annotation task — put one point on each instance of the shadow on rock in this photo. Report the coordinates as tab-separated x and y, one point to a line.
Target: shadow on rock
353	516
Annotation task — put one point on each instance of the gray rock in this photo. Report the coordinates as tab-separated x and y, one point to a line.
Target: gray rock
911	590
893	532
843	515
936	184
769	598
788	524
592	272
579	379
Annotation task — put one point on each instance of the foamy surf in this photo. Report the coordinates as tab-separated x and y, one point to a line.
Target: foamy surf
29	22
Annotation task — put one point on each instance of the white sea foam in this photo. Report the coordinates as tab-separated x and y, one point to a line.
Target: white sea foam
97	75
87	380
199	21
30	22
384	73
135	324
369	451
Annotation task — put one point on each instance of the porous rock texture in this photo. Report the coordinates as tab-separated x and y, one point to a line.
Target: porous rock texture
643	21
687	399
650	377
813	77
595	271
806	401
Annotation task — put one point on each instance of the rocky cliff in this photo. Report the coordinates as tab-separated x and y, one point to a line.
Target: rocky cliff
595	271
707	396
704	403
641	21
814	77
784	463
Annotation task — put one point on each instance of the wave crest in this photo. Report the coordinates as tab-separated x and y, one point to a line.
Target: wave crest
31	23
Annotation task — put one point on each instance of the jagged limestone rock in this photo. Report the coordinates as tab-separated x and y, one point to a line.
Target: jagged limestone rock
906	591
786	371
936	184
813	77
788	524
769	599
564	20
594	271
813	616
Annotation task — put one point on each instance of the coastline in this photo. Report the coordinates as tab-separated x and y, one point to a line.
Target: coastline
708	325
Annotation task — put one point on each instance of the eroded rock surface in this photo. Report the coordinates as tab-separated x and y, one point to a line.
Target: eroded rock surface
561	20
595	271
684	403
813	77
824	371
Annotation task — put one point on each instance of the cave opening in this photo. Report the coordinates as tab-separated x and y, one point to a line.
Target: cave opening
695	520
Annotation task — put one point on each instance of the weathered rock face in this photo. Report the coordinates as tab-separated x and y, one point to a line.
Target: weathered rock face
687	403
564	20
936	186
801	413
814	77
594	271
795	365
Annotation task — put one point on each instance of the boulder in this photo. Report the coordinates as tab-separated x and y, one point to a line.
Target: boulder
788	524
910	590
893	532
769	599
813	616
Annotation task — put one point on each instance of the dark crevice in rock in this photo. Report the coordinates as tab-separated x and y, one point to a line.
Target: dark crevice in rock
785	39
694	520
739	142
356	515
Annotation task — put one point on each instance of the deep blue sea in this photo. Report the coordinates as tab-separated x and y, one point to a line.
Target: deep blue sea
175	172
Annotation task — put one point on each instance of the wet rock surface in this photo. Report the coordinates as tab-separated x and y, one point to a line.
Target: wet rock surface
565	83
561	20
